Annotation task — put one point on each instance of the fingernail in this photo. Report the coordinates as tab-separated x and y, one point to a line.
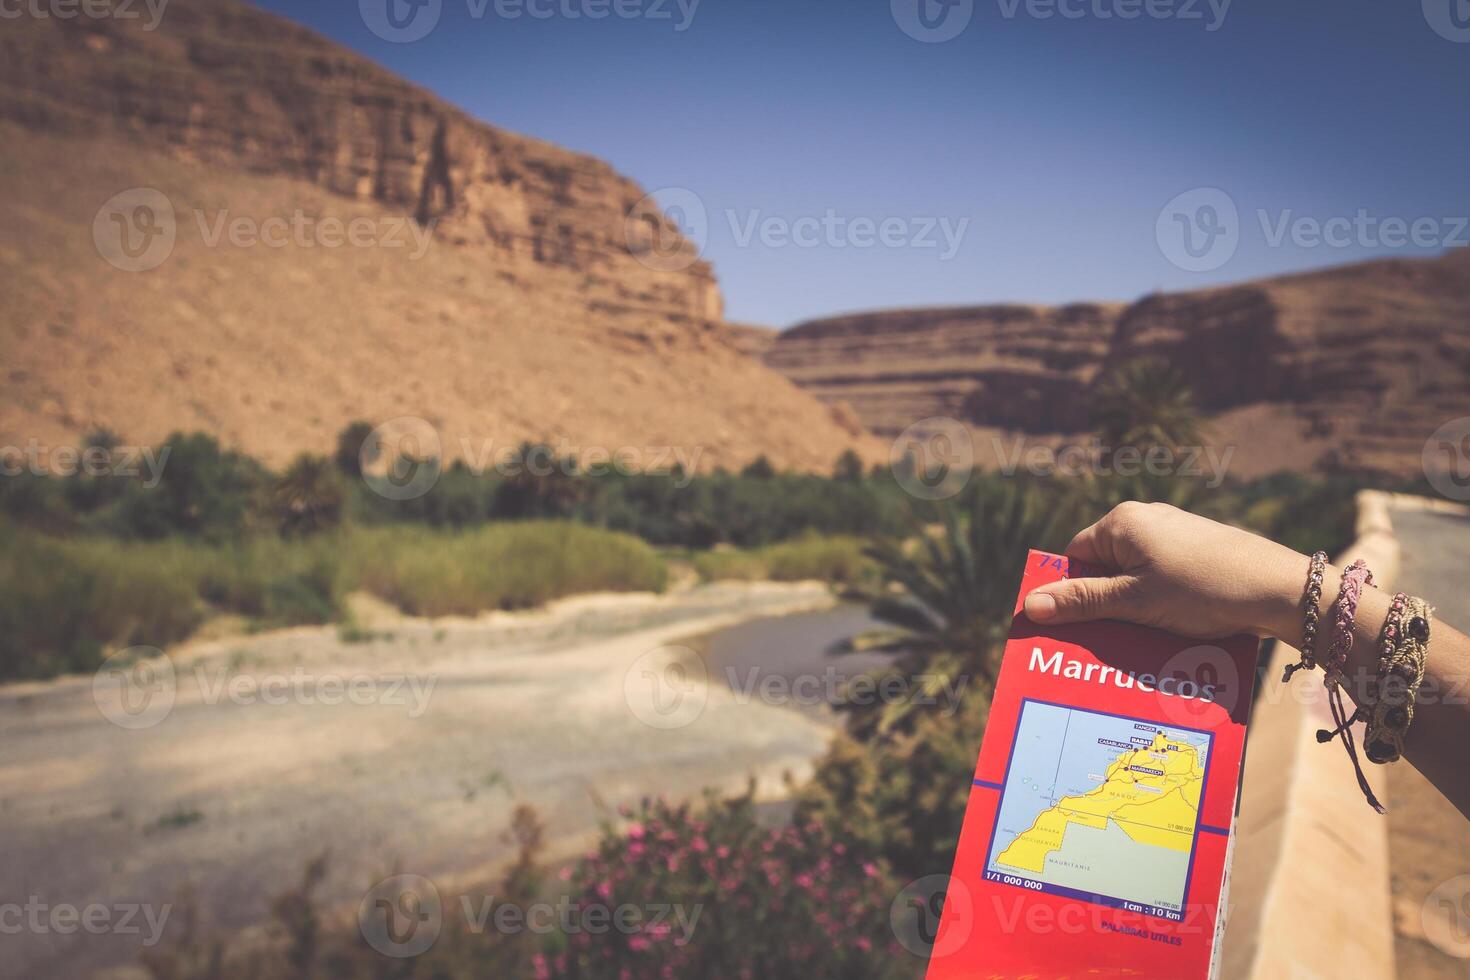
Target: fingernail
1040	606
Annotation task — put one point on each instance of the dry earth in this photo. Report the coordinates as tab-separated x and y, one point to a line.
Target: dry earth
233	793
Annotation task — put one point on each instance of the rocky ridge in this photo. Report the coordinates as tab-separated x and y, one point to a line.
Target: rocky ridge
1354	366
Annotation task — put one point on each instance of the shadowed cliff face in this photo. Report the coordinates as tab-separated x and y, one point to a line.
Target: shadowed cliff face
546	299
1353	366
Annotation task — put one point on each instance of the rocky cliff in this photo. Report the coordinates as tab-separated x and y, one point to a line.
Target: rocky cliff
227	85
548	302
1353	366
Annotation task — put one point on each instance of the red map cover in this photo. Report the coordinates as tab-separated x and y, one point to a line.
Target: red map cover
1097	836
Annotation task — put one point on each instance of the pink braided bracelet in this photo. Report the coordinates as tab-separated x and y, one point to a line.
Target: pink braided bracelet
1345	613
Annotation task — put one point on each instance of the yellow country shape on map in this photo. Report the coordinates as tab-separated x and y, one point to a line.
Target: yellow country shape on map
1155	808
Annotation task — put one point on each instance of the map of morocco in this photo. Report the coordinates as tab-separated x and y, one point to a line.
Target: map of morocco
1152	794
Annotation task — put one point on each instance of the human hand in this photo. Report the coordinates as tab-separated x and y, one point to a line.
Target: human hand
1181	572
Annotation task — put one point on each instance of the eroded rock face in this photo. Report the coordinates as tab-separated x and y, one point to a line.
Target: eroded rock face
1353	366
1009	366
226	84
553	302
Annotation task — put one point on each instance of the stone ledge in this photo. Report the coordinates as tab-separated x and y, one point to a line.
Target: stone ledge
1310	890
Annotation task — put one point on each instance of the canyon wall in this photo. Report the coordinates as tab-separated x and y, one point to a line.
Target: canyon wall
1354	366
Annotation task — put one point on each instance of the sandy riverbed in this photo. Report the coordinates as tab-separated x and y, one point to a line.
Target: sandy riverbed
575	709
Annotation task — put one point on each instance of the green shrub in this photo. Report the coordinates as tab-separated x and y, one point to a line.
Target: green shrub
730	564
838	560
500	566
62	603
901	797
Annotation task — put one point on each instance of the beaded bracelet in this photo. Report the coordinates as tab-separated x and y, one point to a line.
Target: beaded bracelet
1311	599
1404	650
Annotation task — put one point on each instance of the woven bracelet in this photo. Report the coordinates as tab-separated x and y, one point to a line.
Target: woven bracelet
1403	655
1311	600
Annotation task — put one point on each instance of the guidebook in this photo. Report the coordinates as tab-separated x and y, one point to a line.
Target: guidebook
1097	837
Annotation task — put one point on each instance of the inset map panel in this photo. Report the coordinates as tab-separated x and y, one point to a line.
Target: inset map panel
1101	808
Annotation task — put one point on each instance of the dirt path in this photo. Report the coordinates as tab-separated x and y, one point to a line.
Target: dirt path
416	768
1429	841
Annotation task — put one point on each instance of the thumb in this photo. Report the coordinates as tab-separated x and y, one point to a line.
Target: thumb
1080	600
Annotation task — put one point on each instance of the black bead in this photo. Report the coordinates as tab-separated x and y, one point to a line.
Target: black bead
1381	752
1396	718
1419	629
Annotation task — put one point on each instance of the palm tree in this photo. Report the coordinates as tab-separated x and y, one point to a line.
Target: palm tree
949	591
1145	403
309	496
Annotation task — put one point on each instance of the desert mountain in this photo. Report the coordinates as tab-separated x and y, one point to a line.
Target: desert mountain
1353	366
546	304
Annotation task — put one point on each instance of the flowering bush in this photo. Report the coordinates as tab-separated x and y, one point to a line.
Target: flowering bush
715	894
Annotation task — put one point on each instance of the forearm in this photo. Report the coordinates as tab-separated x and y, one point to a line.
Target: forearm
1438	741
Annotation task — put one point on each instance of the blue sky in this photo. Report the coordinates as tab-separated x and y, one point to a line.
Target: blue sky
1048	146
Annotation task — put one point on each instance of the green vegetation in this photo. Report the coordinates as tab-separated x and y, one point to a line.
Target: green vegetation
65	601
839	560
90	563
504	566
